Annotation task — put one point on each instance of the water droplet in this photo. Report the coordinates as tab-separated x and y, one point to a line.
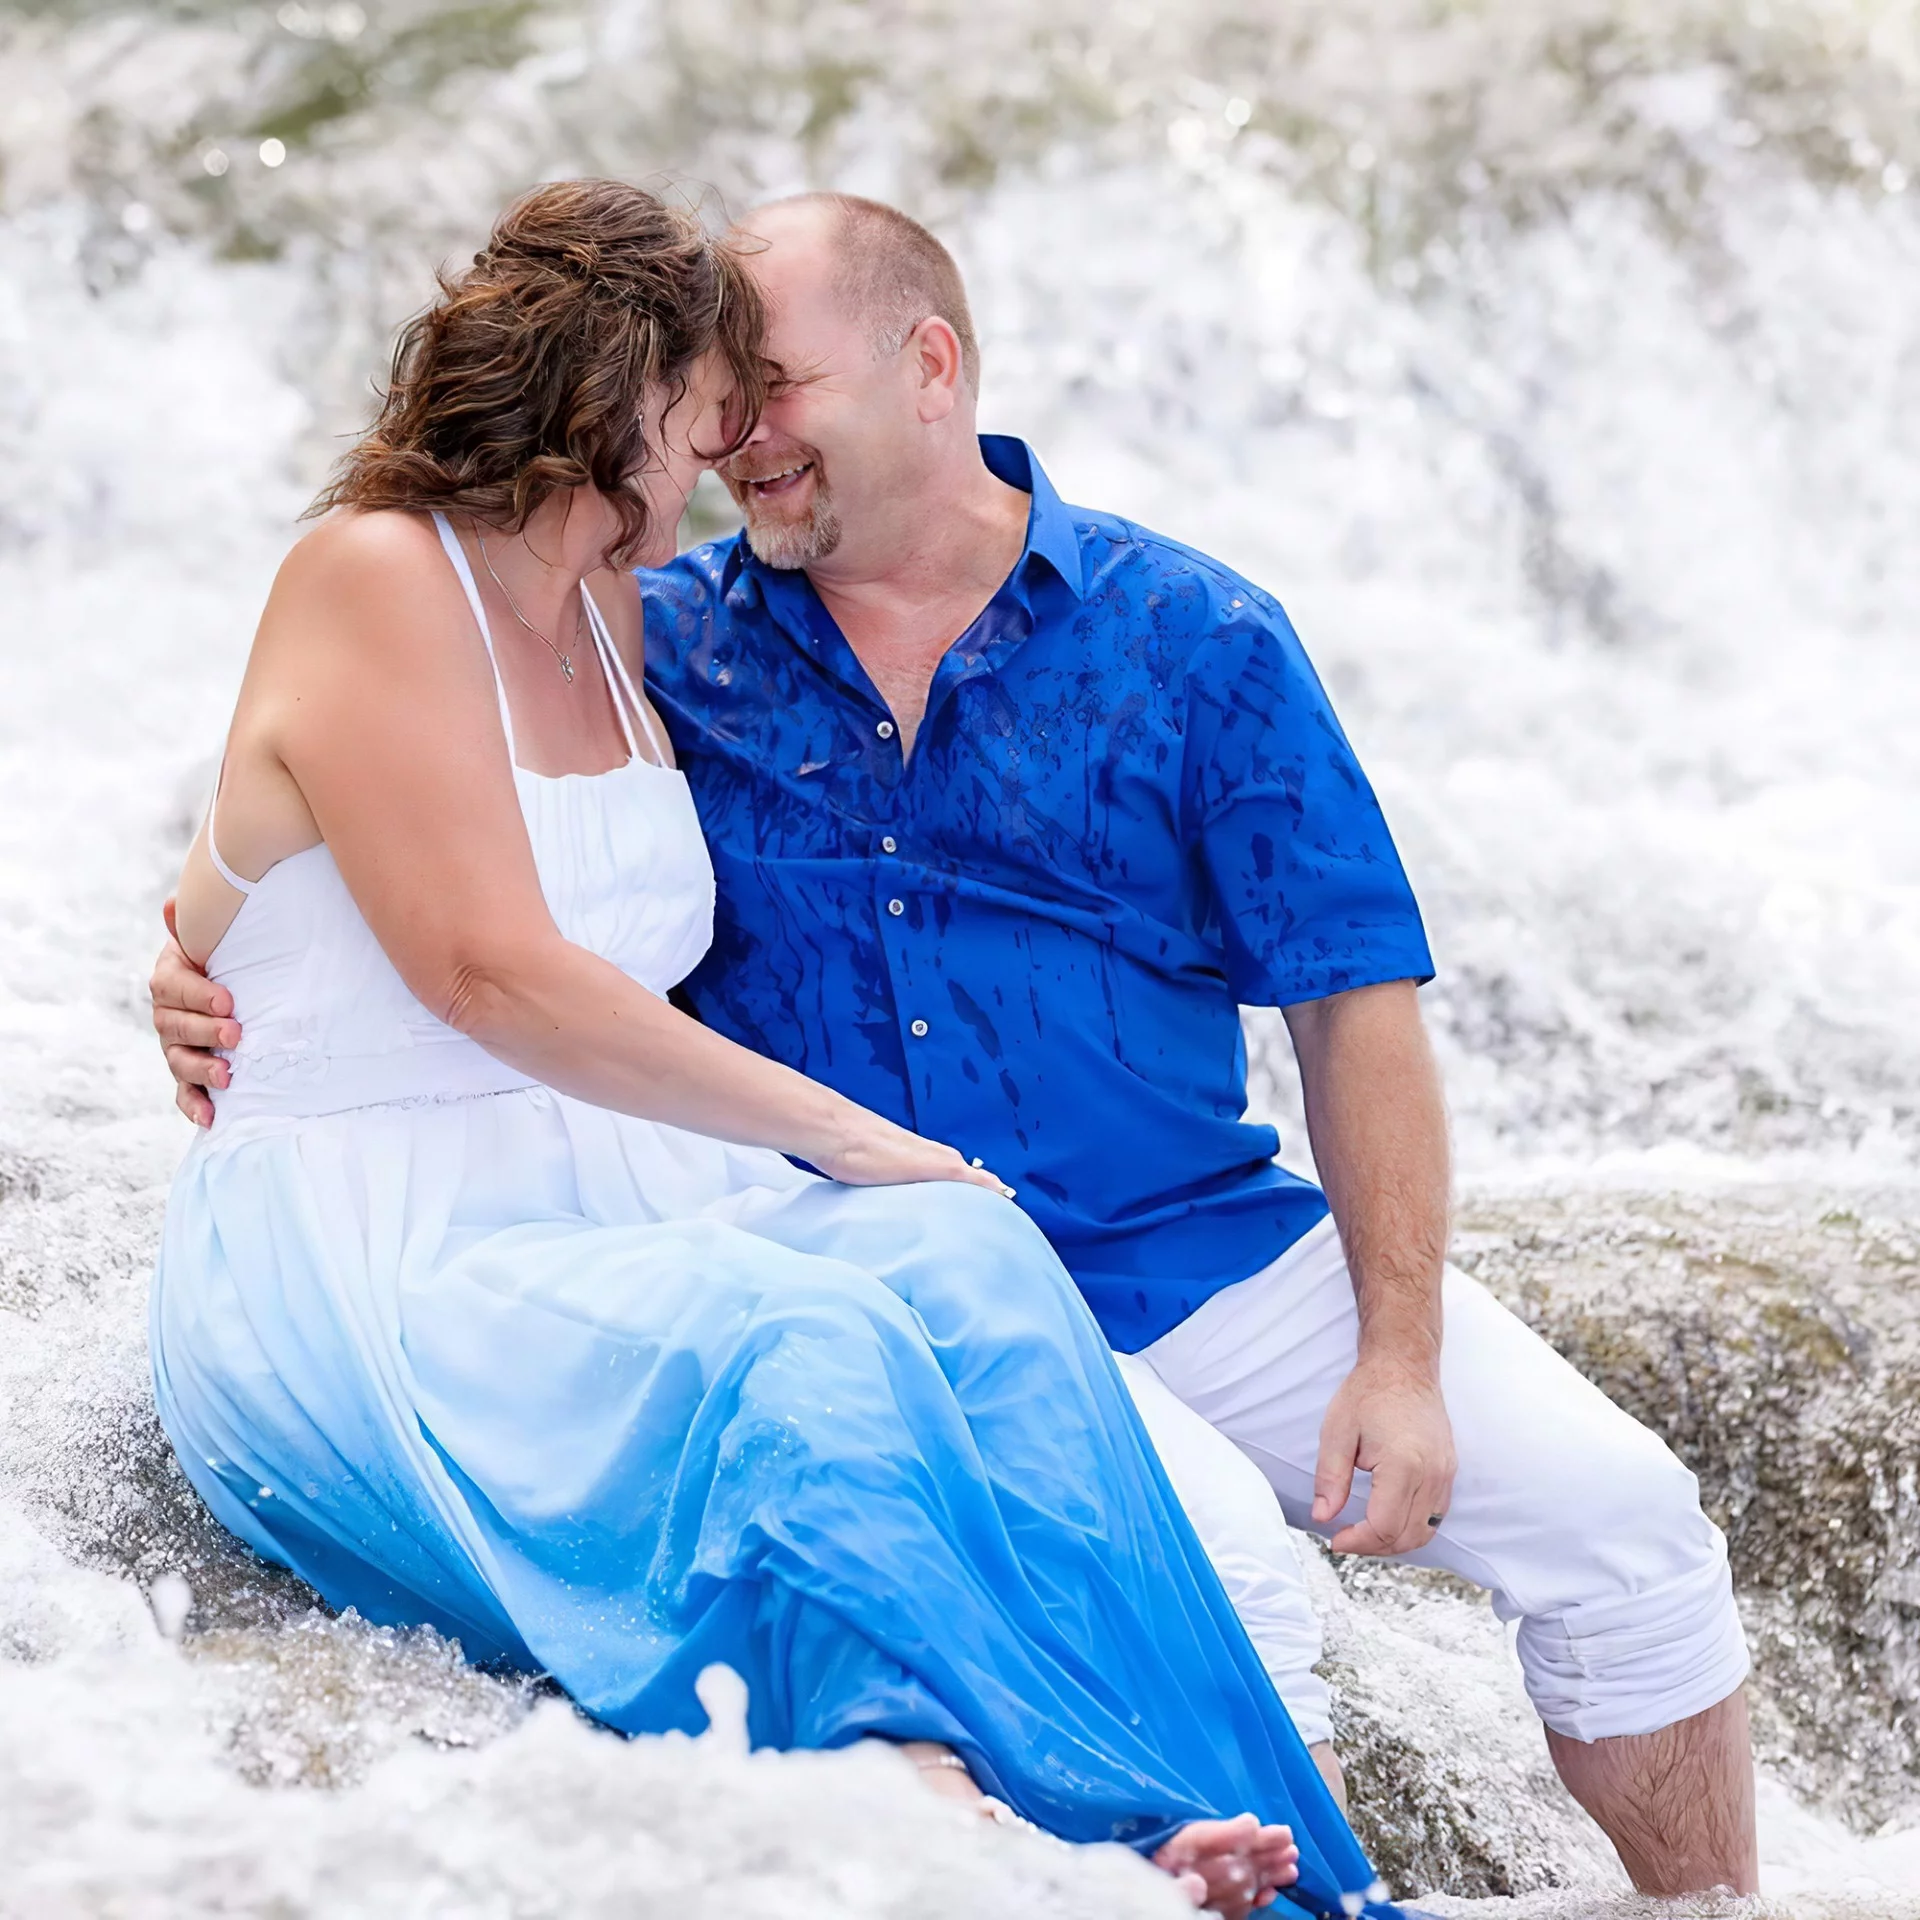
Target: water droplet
171	1600
724	1695
272	152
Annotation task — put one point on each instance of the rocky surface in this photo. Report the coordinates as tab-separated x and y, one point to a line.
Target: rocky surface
1774	1341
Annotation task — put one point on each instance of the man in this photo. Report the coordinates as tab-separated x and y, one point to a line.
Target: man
1013	805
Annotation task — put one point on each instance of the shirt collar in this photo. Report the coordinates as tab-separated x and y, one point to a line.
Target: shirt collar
1051	534
1051	538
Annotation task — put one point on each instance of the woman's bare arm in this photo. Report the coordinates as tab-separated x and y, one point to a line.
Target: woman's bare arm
374	693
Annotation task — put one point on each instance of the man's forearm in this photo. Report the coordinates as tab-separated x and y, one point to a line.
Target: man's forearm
1379	1131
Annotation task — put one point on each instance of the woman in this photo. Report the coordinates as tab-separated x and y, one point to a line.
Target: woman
496	1300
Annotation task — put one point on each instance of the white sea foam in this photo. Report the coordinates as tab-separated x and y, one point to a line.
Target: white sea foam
1592	494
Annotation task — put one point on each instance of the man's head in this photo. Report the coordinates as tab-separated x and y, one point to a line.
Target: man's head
878	371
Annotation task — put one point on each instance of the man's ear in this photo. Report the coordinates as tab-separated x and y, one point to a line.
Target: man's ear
934	350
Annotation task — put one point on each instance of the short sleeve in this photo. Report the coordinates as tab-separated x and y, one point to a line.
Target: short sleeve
1307	886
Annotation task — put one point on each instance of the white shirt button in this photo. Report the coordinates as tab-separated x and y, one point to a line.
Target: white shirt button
888	844
896	908
885	729
918	1029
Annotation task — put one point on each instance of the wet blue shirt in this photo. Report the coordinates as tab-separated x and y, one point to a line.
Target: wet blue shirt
1129	812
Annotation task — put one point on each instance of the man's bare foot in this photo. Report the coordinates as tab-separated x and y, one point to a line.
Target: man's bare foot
1230	1867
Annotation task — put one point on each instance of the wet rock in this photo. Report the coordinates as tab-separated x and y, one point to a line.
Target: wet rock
1447	1772
319	1699
1774	1343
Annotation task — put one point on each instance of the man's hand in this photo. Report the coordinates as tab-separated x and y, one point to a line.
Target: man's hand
1388	1419
192	1016
1379	1133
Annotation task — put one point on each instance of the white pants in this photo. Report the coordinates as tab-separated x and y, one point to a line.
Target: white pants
1582	1524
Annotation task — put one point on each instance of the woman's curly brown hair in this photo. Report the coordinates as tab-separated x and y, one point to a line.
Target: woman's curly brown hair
528	374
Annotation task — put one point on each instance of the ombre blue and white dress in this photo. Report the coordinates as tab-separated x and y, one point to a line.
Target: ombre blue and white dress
611	1401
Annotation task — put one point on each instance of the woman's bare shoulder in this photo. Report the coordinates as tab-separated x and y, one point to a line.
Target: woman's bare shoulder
350	543
359	581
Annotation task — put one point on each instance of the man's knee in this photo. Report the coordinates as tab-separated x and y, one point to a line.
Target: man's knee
1645	1633
1634	1498
1589	1530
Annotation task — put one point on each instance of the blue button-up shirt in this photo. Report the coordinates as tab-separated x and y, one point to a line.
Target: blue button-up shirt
1128	812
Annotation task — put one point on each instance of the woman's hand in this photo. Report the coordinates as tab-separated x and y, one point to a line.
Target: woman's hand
873	1152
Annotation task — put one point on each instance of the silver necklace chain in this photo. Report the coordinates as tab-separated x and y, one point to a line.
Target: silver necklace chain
579	613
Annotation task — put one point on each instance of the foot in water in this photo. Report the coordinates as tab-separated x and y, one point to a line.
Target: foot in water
1227	1867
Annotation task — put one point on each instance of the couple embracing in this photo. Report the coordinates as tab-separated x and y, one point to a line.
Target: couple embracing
725	1097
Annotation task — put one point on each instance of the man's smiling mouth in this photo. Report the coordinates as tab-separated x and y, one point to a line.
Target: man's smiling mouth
773	485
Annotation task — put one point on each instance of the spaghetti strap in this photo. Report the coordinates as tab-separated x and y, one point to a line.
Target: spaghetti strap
615	669
458	555
220	866
603	646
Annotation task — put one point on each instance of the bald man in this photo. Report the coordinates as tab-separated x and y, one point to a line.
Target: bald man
1013	805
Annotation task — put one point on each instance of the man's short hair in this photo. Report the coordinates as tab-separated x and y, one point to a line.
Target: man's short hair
894	274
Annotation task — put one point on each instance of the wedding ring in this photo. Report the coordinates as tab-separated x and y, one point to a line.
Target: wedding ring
1434	1519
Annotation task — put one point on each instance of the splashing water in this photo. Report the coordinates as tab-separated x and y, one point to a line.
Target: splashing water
1554	362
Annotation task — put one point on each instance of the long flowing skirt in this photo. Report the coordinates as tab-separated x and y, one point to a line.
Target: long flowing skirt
613	1402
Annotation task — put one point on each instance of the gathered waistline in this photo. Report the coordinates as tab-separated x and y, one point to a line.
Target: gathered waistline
392	1080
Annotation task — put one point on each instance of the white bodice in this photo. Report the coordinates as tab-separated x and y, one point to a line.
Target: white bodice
326	1021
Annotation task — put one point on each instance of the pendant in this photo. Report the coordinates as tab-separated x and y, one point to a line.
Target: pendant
566	667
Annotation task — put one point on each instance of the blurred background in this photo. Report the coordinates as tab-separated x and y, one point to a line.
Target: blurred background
1557	363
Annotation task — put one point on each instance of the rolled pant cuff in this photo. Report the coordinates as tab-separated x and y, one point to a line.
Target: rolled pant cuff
1637	1664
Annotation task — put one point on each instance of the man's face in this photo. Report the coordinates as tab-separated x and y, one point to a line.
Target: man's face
839	422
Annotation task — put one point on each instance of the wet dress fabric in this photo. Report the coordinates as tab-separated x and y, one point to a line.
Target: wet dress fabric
611	1401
